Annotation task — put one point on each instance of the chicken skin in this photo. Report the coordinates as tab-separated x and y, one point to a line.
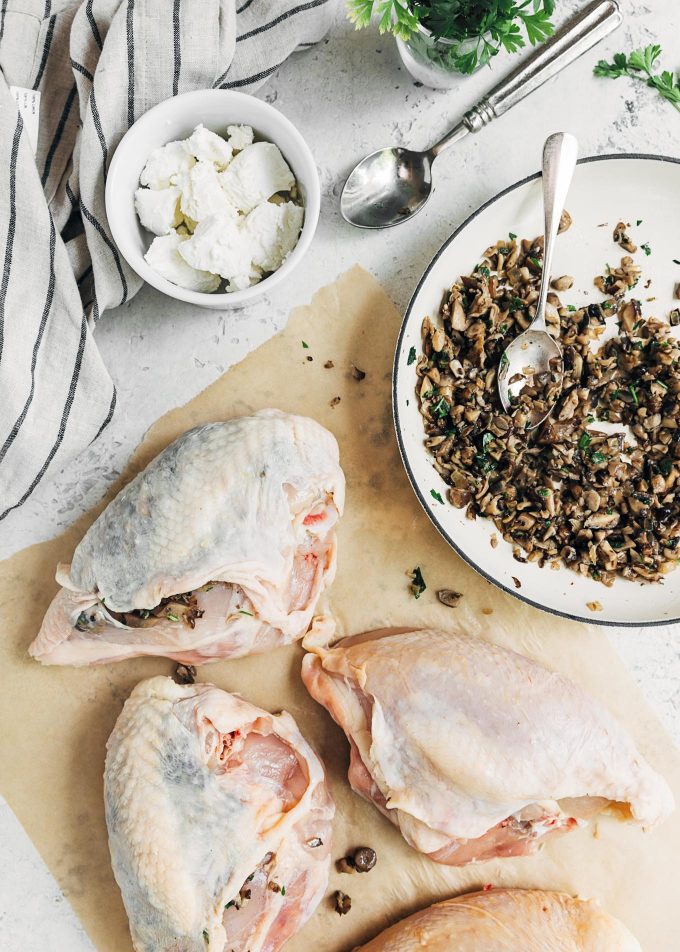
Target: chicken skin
508	920
219	548
219	821
472	750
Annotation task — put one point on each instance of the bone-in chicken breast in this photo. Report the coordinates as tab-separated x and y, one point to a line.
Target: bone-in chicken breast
219	821
472	750
219	548
508	920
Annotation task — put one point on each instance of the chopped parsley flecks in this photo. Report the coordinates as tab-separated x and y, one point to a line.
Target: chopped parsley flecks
441	408
418	585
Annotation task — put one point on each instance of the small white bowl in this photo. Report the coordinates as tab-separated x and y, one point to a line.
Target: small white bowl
176	118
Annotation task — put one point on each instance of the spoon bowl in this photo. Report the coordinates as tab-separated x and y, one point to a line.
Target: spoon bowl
533	356
390	186
386	188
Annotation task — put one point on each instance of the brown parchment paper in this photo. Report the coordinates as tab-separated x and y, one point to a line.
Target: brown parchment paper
55	721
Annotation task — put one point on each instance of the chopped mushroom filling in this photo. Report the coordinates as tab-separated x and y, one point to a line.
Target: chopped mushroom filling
182	608
595	485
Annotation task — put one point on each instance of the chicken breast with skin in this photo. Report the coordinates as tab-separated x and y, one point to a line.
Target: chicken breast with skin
219	821
219	548
472	750
508	920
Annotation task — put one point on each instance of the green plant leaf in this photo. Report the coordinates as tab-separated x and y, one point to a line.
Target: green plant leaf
640	65
359	12
493	24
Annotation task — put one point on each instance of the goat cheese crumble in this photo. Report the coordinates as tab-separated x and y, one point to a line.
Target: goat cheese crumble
222	210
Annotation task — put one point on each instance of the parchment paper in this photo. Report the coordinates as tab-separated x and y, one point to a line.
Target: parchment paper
55	721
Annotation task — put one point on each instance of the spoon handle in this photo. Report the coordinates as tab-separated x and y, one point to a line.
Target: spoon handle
559	161
577	36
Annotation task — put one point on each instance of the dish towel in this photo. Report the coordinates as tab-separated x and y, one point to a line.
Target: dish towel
98	65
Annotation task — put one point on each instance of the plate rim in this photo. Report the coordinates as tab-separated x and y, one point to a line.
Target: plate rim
645	156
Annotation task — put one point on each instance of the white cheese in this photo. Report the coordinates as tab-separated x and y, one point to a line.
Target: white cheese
272	231
218	245
211	211
202	195
164	257
241	281
240	137
255	174
206	146
165	164
158	209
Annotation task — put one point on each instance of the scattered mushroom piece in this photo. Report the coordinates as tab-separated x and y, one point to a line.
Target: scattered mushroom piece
563	283
342	902
622	238
448	597
364	859
185	674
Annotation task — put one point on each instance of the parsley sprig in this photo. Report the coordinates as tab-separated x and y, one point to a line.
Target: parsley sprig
494	24
640	64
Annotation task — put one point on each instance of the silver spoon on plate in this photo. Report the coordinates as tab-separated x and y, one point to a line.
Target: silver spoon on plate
391	185
534	358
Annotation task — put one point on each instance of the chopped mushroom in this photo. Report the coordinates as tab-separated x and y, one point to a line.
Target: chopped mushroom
184	674
342	902
604	504
622	238
364	859
565	222
448	597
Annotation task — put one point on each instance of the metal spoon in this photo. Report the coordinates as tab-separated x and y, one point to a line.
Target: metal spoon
391	185
535	348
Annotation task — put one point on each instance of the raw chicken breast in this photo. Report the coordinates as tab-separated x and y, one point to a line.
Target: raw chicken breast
472	750
508	920
219	548
219	821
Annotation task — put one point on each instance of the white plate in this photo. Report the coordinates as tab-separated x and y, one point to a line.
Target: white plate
605	189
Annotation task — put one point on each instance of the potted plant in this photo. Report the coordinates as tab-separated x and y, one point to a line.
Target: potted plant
440	40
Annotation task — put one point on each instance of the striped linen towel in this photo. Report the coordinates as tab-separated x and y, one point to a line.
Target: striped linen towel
98	66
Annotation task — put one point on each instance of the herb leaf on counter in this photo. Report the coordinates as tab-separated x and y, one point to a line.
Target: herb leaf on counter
640	64
417	585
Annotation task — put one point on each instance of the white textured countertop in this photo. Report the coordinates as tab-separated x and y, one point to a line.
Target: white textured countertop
348	96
